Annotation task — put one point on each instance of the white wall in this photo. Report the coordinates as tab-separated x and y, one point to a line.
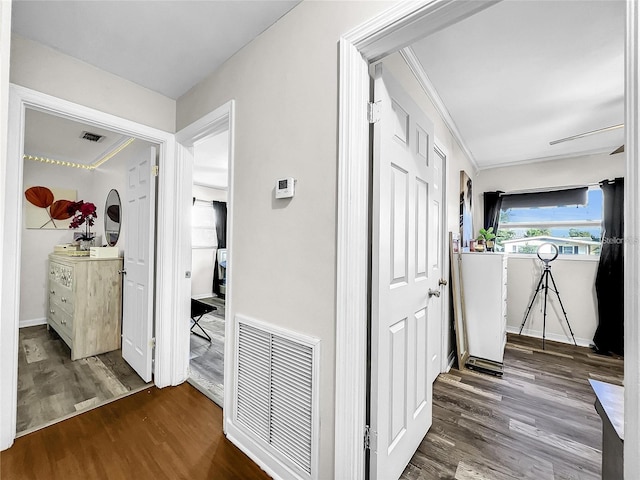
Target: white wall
92	186
582	170
38	244
285	84
575	278
46	70
203	259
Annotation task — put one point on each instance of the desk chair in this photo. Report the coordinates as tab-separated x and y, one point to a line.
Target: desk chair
198	310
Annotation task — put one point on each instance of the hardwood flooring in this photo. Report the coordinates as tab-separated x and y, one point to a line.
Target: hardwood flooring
536	422
170	433
51	386
206	364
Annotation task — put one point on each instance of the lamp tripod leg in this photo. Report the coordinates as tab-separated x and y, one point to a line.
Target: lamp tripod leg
526	315
545	274
555	289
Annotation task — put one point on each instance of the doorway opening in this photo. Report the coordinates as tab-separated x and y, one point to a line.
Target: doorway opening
74	308
209	264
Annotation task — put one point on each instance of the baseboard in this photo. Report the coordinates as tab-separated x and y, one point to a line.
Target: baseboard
451	360
582	342
33	322
203	295
261	457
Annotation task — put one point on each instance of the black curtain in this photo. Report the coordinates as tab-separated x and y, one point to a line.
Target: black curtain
220	209
609	336
492	205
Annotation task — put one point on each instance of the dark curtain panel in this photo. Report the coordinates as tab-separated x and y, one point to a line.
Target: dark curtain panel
492	205
220	209
609	336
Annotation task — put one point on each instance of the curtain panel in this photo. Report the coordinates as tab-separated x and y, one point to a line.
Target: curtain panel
609	336
220	209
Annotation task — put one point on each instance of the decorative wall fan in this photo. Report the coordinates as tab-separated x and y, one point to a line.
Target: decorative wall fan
620	149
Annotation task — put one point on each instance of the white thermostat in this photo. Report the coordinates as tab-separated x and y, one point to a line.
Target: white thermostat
285	187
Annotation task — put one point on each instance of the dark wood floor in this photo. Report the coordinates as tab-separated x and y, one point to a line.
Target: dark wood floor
170	433
536	422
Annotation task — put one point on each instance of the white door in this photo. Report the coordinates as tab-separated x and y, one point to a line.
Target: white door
405	267
139	215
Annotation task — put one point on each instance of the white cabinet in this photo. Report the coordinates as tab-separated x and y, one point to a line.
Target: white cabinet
484	281
85	303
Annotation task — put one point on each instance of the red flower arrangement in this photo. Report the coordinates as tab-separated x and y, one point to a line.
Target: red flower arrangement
83	213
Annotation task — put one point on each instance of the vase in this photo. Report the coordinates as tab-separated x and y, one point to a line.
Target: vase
87	244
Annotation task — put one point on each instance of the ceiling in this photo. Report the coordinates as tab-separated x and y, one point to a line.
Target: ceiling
211	161
512	78
523	73
166	46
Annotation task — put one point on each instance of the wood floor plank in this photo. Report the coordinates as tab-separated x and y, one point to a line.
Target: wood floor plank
536	422
170	433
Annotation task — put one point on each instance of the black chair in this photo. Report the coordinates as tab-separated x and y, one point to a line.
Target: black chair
198	310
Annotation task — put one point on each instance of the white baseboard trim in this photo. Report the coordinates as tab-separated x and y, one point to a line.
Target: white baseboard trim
451	360
582	342
32	322
261	457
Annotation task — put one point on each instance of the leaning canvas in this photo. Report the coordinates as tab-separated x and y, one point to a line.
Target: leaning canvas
466	211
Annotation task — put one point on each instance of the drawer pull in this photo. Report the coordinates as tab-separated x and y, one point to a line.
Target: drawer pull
52	311
52	292
64	299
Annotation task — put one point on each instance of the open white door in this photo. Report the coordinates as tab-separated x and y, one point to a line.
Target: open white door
139	214
405	291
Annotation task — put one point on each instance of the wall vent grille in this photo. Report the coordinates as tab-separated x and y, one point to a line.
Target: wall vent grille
275	392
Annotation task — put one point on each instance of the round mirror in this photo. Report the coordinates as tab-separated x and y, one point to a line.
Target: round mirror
112	215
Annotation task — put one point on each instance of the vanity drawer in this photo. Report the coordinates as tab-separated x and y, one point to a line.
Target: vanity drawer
62	322
61	296
61	274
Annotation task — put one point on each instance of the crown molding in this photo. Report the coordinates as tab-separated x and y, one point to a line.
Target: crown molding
417	69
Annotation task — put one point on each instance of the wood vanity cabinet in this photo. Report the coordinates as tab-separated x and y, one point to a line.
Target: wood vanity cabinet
85	303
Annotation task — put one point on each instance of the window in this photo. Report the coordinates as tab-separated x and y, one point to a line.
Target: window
203	225
529	220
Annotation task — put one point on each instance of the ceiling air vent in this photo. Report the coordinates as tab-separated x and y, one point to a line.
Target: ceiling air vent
92	137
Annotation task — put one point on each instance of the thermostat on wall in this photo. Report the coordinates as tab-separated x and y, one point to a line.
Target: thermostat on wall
285	187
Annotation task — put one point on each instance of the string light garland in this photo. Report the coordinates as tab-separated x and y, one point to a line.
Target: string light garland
93	166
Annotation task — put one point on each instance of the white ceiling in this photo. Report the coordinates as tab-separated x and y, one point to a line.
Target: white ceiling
166	46
58	138
513	77
523	73
211	161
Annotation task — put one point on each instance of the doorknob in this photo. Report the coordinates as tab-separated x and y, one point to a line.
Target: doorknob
442	281
434	293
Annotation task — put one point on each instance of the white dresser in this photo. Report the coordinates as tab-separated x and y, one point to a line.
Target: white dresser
484	277
85	303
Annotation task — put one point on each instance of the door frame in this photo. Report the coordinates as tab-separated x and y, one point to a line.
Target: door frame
220	119
390	31
168	236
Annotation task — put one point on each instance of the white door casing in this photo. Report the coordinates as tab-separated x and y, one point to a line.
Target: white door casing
405	268
435	264
139	214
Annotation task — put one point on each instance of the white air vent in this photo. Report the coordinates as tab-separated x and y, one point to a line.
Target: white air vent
275	393
92	137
